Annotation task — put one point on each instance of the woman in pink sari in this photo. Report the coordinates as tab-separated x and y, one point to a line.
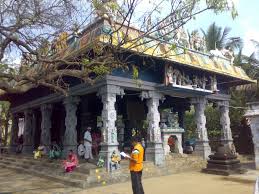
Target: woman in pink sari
71	163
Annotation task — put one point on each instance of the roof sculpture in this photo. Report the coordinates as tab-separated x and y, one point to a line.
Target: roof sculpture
149	45
138	42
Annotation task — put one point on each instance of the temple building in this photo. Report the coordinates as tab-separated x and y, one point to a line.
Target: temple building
119	106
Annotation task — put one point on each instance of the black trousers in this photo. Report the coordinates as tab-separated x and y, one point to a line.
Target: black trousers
136	182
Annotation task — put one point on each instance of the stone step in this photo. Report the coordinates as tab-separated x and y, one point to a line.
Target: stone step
58	178
47	163
42	168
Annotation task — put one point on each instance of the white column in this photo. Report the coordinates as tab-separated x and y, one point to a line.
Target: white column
109	116
253	115
226	134
27	142
46	112
154	150
70	137
202	147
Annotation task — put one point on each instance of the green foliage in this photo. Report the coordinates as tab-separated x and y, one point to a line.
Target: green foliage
189	124
213	121
212	124
4	120
215	37
101	70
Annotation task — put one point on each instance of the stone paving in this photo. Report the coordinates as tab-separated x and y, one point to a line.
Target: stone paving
184	183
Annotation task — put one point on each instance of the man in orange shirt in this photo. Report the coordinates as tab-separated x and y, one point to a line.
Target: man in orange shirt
136	166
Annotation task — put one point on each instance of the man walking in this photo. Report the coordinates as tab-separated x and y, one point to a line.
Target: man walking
88	144
136	166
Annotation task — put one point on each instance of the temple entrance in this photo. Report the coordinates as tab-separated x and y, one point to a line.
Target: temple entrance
58	123
131	118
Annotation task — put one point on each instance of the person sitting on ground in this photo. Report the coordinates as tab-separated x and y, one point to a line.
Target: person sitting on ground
115	161
55	151
188	148
81	150
39	152
71	163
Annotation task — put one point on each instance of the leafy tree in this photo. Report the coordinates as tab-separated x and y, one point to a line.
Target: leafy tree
216	37
4	122
30	31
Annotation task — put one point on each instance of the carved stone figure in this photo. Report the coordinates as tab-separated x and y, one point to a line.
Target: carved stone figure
195	81
213	83
169	75
204	82
228	53
172	119
181	37
196	41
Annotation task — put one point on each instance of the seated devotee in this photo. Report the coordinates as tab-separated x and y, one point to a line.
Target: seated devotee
81	150
41	151
115	161
55	151
188	149
71	163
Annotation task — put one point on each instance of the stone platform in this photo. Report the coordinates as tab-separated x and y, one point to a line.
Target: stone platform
88	175
224	162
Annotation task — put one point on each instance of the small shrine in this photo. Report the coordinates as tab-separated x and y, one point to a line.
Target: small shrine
170	128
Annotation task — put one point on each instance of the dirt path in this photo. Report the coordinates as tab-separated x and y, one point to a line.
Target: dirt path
185	183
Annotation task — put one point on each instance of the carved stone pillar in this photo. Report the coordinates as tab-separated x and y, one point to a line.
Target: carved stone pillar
28	129
109	116
46	112
202	147
70	137
154	150
226	134
14	131
253	117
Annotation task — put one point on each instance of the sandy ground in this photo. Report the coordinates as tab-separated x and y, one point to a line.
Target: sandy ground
185	183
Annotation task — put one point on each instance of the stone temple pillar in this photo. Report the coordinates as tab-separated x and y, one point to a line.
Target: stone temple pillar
46	112
154	150
27	134
14	132
253	115
109	116
70	137
226	134
202	147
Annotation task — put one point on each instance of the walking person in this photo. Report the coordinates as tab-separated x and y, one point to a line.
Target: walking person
136	166
88	144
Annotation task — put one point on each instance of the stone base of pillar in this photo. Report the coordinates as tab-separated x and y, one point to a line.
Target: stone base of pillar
155	152
202	148
28	149
106	153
